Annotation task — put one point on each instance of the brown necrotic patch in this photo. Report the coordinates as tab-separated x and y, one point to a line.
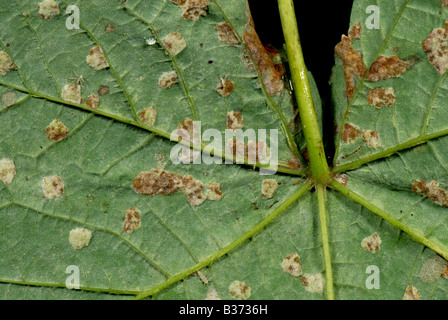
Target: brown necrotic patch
160	182
235	120
371	138
96	59
267	60
352	64
102	90
226	34
239	290
132	220
52	186
193	189
109	28
192	9
432	191
444	3
350	133
214	191
80	238
56	131
355	31
148	116
72	93
436	47
174	43
7	170
380	97
48	9
313	283
5	63
168	79
292	265
342	178
268	188
92	101
387	67
411	293
432	269
225	87
9	99
157	182
372	243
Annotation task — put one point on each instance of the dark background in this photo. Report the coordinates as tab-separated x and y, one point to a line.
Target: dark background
321	25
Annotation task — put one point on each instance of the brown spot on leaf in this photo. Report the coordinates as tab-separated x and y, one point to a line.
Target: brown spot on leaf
185	129
56	131
444	3
96	59
9	99
160	182
103	90
372	243
268	188
239	290
387	67
148	116
174	43
80	238
92	101
352	64
214	191
72	92
292	265
432	191
48	9
411	293
350	133
168	79
432	269
313	283
341	178
132	220
110	28
157	182
271	71
7	170
294	163
192	9
226	34
235	120
355	31
445	273
52	186
371	138
380	97
193	189
225	87
5	63
436	47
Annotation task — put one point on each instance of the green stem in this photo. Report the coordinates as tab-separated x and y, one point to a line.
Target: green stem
321	199
207	261
417	236
316	153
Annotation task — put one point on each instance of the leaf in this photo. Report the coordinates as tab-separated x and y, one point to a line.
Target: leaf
86	170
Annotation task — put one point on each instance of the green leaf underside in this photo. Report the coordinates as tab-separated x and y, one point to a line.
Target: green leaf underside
243	236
